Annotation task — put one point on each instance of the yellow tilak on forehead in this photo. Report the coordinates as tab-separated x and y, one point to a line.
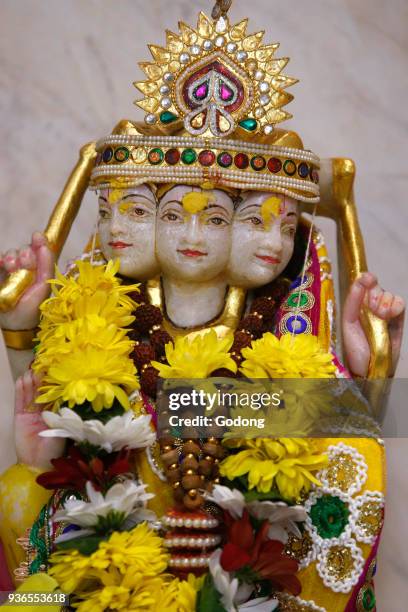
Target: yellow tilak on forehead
115	195
271	209
195	202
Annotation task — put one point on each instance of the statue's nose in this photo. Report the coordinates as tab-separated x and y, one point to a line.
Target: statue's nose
193	229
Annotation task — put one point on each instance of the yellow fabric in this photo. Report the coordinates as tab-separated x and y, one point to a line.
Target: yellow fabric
37	583
163	499
326	333
21	500
312	585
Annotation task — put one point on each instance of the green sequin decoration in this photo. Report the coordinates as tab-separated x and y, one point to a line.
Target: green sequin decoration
188	156
330	516
369	599
38	541
293	300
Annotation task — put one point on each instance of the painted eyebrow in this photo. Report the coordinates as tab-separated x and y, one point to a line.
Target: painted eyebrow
244	208
138	195
172	202
102	198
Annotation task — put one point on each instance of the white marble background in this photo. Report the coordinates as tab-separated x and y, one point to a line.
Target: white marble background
66	69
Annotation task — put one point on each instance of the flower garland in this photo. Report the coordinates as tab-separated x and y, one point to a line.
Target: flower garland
107	551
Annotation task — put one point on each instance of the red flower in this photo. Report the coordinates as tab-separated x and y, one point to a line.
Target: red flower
258	553
75	470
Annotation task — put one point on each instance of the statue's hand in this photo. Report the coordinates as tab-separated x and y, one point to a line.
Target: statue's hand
32	449
383	304
39	258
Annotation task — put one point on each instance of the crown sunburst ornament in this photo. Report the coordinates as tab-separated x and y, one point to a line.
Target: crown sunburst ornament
214	78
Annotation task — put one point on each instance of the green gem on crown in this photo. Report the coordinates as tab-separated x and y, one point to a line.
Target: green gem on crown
168	117
249	124
188	156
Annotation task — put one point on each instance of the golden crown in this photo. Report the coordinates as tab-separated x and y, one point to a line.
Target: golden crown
212	98
214	78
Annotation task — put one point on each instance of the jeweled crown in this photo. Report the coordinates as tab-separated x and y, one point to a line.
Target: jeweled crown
213	97
214	78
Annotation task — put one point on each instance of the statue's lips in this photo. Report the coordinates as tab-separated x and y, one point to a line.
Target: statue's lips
191	253
268	259
119	245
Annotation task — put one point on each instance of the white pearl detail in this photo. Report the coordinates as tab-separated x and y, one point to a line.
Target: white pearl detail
231	47
219	41
268	129
259	75
184	58
264	87
164	89
208	45
166	103
242	56
168	77
195	50
264	100
150	119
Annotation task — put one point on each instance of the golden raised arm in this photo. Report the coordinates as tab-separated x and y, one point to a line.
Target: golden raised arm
58	226
338	203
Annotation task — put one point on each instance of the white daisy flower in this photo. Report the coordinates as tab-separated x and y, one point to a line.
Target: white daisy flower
283	518
125	498
120	431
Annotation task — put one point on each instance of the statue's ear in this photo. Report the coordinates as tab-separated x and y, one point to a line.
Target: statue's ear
59	224
337	202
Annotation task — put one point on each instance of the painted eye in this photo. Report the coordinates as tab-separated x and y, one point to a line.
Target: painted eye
255	221
217	221
103	214
138	212
169	216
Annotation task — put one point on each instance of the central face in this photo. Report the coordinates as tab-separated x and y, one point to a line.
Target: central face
194	246
263	235
126	229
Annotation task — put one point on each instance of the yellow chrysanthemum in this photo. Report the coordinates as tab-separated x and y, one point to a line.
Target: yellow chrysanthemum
83	352
179	595
197	358
91	364
287	357
134	591
140	551
90	281
285	463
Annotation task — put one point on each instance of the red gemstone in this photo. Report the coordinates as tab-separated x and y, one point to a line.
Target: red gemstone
274	164
206	158
241	161
172	156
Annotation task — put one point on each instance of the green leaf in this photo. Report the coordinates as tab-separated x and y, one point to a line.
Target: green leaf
86	545
254	495
209	599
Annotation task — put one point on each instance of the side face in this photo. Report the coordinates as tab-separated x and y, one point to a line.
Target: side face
263	233
126	225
